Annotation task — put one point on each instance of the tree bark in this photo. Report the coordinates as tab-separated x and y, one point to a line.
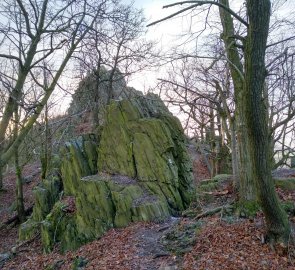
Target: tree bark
257	122
212	143
1	174
247	190
18	171
234	154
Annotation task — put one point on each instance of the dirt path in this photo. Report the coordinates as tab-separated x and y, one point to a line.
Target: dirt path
154	255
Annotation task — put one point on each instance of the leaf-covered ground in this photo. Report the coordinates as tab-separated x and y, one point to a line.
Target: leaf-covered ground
215	242
222	245
31	173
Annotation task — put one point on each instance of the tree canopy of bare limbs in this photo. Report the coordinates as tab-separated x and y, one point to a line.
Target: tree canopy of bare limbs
113	52
253	114
38	39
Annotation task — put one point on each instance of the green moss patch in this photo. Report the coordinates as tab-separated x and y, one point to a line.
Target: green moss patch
285	183
247	209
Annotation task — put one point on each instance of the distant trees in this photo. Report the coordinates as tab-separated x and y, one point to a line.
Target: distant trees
206	101
244	36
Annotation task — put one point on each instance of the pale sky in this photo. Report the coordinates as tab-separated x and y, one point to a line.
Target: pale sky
167	32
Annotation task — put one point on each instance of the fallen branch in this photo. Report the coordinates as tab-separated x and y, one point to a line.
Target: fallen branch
216	193
213	211
26	242
15	218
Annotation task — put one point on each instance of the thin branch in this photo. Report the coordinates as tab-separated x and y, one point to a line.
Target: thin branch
281	41
26	16
197	4
11	57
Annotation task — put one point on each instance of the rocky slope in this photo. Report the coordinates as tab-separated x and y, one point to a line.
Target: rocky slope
135	169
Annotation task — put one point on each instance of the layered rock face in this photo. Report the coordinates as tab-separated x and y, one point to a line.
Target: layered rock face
136	169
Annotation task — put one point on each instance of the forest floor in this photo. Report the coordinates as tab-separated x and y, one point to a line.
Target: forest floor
218	241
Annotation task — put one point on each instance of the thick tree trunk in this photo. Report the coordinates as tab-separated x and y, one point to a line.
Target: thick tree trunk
18	171
247	190
257	122
234	154
212	143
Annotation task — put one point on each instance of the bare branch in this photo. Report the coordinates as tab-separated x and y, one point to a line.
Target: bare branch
11	57
281	41
26	16
197	4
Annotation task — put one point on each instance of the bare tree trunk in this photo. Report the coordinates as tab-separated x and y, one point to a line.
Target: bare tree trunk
1	174
113	72
95	109
257	122
220	145
234	154
18	171
212	143
46	155
247	189
202	132
247	193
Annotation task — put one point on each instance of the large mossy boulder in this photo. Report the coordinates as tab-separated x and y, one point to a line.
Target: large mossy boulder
149	146
138	170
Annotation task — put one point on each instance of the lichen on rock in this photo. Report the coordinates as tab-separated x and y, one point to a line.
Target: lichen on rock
139	170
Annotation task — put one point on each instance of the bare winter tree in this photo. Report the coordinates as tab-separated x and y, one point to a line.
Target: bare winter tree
112	52
30	32
245	42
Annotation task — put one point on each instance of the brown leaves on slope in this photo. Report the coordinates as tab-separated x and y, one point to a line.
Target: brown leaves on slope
31	172
118	249
234	246
113	251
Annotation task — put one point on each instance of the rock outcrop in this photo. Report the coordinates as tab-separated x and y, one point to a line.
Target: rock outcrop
93	91
136	169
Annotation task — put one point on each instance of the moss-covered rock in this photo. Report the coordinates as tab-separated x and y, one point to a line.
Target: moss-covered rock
60	226
150	145
138	171
247	209
28	229
104	201
79	159
46	194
